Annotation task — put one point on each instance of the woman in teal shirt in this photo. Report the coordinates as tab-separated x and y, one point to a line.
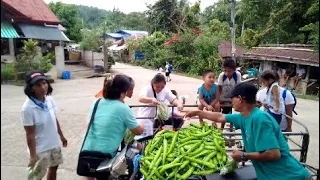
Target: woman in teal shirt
112	118
263	140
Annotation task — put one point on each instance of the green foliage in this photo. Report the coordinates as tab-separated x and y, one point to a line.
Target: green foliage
91	39
250	38
26	61
29	51
70	19
173	16
7	72
189	52
92	17
45	62
219	29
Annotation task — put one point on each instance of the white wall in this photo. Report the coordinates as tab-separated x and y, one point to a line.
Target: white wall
92	58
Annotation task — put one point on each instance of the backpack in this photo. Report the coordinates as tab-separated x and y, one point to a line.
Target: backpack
284	95
170	68
234	76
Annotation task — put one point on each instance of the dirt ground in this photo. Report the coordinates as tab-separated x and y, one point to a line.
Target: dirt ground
74	98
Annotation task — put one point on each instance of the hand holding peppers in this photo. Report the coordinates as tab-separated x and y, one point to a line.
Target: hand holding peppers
236	155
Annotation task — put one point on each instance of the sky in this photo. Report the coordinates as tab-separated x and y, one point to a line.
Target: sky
125	6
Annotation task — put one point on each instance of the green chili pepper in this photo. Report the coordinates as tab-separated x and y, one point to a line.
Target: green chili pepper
210	165
188	173
169	166
174	140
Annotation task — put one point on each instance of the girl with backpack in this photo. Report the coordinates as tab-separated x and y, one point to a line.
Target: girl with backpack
274	103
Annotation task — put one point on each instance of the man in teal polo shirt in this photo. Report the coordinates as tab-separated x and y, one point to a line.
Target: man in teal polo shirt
263	140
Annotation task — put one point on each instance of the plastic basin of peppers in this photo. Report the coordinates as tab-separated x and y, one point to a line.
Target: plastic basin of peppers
193	151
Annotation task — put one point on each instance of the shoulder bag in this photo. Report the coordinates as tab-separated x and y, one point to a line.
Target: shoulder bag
89	161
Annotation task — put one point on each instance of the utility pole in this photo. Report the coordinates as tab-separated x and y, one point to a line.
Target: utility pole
232	28
105	50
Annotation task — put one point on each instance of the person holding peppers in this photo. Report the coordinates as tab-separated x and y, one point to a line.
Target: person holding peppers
263	140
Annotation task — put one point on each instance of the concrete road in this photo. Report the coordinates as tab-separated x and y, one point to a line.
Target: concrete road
74	97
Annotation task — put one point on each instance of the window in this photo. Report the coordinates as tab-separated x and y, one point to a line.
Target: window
5	46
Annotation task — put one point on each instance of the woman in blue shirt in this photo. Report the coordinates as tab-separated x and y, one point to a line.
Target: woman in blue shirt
263	140
112	118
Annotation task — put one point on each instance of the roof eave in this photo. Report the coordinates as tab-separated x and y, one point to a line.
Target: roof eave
261	58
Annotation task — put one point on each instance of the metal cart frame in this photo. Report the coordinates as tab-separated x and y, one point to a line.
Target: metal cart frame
302	147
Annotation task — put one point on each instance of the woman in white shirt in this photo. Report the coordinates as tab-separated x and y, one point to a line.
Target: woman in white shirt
273	103
154	94
43	132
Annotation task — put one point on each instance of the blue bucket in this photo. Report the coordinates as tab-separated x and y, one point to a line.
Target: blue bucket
66	75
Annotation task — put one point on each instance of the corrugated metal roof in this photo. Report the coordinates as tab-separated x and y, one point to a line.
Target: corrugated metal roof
133	32
284	54
37	10
224	49
8	31
43	32
115	35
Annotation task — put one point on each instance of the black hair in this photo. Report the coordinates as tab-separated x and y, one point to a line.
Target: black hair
269	74
158	78
29	92
132	83
174	92
229	63
247	91
204	73
114	86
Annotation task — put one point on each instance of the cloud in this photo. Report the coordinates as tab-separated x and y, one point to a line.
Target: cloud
125	6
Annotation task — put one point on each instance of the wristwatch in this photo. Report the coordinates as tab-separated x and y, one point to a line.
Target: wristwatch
243	157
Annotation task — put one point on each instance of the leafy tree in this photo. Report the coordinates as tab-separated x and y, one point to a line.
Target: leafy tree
135	21
69	17
163	16
91	39
92	17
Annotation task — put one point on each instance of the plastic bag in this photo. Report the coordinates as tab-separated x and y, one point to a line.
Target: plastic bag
38	171
162	112
230	167
128	137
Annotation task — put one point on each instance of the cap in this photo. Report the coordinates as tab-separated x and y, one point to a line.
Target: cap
33	76
245	90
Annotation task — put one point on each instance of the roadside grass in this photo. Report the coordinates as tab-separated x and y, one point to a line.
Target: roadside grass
14	82
307	96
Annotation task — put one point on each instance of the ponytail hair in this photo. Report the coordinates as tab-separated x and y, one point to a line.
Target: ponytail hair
114	86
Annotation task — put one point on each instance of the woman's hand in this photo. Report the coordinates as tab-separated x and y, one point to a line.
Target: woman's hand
180	106
64	141
154	101
32	162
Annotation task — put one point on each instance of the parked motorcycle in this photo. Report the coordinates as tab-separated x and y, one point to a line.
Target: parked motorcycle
252	76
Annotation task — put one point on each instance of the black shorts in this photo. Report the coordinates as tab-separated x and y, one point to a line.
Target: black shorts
168	74
226	110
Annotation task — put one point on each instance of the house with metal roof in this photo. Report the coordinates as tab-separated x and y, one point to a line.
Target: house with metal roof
284	56
126	34
27	19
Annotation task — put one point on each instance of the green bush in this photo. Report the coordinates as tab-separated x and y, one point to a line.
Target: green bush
7	72
45	63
